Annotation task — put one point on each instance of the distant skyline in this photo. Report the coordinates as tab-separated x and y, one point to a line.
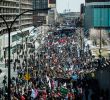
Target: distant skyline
73	5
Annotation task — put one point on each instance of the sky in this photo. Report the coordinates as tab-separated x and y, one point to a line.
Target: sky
73	5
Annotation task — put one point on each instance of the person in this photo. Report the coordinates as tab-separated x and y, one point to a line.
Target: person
0	71
4	82
1	93
44	93
71	96
14	66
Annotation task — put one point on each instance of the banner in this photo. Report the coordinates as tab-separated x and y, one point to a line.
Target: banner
63	90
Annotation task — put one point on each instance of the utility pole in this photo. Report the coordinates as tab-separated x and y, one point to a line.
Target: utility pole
100	43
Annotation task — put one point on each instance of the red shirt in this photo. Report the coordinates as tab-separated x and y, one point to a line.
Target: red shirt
71	95
23	98
44	94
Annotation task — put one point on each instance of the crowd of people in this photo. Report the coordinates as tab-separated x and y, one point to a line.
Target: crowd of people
54	73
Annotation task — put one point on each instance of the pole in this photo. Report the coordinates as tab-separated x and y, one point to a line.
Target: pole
100	43
9	70
26	61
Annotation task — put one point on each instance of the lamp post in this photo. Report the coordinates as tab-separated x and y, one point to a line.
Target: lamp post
9	28
100	43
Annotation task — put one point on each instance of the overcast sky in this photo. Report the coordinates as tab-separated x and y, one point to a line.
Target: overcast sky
74	5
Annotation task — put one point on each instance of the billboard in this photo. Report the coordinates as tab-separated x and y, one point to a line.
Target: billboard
87	1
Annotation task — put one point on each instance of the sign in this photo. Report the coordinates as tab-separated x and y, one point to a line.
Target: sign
27	76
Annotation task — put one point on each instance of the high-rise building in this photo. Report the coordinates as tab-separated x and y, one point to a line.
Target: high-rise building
97	24
40	17
97	14
9	9
40	4
52	13
44	17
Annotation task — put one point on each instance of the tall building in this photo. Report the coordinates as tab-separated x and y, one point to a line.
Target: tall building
52	13
40	4
97	14
40	17
9	9
97	23
44	17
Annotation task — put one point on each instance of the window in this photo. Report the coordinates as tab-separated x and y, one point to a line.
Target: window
101	17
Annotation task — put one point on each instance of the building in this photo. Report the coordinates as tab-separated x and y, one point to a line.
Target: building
52	14
9	9
40	17
82	12
97	14
70	17
44	17
97	23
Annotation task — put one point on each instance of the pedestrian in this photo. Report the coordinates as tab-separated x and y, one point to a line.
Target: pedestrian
4	82
1	93
0	71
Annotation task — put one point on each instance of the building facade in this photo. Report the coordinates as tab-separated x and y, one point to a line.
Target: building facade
40	17
97	14
44	17
9	9
52	14
97	23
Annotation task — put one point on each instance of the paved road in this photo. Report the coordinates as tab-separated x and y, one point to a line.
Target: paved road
5	72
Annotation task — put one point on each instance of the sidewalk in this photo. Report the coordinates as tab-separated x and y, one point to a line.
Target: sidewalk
5	72
95	49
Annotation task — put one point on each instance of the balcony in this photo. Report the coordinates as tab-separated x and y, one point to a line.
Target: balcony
9	20
12	0
26	3
28	8
9	13
26	18
26	23
1	6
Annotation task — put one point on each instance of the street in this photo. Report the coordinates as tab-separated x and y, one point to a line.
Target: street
54	50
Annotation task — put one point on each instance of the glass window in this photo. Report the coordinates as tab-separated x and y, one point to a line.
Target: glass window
96	17
15	38
101	17
104	17
109	16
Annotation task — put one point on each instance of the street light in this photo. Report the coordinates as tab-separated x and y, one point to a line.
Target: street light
9	27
